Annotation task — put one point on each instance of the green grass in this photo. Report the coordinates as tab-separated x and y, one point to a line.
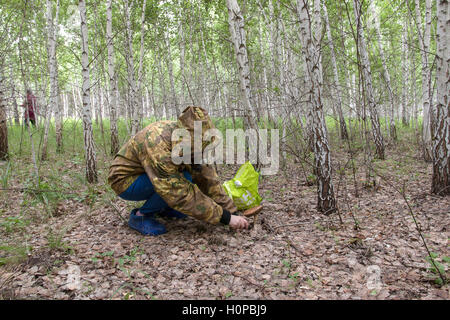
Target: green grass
73	142
13	254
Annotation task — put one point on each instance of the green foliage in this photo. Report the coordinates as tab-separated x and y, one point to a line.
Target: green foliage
13	224
436	269
13	254
268	196
295	277
5	172
55	241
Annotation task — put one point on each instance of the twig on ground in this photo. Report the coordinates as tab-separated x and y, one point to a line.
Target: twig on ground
119	213
291	224
402	192
35	190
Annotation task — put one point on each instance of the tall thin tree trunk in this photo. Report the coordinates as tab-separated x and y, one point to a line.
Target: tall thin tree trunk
13	97
3	124
171	78
162	84
387	77
182	56
441	134
424	41
405	72
326	201
133	99
342	124
54	87
91	170
52	67
112	82
141	63
365	65
236	26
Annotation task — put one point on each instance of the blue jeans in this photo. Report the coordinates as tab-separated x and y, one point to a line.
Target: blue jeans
142	189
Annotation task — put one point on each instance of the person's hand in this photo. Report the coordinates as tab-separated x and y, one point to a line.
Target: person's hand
237	222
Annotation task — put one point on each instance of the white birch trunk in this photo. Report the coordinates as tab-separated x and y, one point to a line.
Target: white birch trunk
133	100
3	125
387	77
441	134
53	101
91	171
182	57
405	72
424	41
236	26
171	79
337	86
112	82
311	50
162	84
365	65
141	62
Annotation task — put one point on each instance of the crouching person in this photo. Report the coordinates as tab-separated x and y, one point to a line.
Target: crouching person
143	170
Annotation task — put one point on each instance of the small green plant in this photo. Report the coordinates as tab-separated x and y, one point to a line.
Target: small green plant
13	254
47	192
11	224
269	195
310	282
99	256
55	241
311	179
437	269
319	226
295	277
5	175
286	263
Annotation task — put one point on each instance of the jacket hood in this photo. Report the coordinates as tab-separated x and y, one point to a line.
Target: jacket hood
192	114
187	119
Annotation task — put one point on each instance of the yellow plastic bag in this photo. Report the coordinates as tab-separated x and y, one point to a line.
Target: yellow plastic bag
243	188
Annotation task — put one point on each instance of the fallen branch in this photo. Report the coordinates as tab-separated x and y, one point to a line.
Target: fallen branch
119	213
36	190
291	224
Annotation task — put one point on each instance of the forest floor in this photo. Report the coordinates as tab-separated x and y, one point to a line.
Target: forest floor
74	244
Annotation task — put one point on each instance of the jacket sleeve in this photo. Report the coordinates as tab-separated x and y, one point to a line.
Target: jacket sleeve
205	176
179	193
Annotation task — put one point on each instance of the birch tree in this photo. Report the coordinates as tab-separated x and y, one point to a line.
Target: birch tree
387	77
141	62
3	124
53	71
337	86
311	51
171	77
236	26
112	82
182	53
367	77
91	170
133	100
424	42
405	72
441	134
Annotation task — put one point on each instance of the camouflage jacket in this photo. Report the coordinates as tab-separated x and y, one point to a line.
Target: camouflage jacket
150	150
